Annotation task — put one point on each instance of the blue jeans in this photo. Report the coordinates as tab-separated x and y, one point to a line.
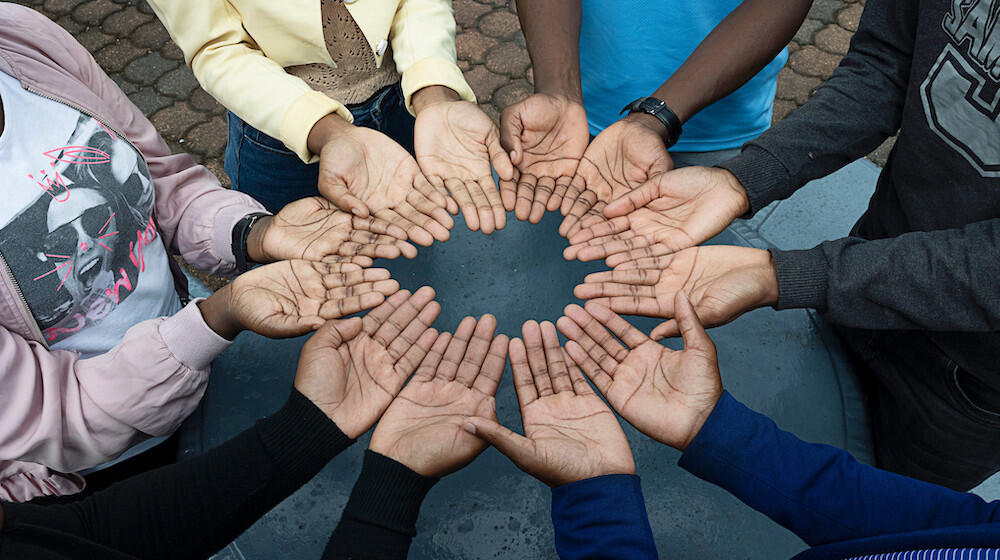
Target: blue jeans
265	169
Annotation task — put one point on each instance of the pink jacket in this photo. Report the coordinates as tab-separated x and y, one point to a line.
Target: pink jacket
58	413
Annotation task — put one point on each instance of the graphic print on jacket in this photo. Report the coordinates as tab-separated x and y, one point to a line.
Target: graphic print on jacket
961	94
76	225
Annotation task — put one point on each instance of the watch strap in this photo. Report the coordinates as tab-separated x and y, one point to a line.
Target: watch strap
663	113
241	232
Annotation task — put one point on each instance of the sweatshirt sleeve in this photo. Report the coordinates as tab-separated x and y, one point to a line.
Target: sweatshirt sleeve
194	508
856	109
817	491
380	519
941	280
602	518
69	414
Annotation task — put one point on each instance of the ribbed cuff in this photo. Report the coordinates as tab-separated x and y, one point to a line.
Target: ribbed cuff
802	278
388	494
761	174
190	339
300	437
730	425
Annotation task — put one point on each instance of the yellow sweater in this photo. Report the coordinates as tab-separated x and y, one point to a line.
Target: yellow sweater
239	49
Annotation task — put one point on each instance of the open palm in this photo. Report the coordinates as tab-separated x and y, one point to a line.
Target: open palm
459	376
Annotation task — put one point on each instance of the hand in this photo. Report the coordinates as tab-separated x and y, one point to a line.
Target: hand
571	433
674	211
455	142
665	394
314	229
291	298
353	383
723	282
546	135
459	376
364	172
622	157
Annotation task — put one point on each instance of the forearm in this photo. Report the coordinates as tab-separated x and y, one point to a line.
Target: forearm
602	517
735	51
194	508
848	117
939	280
817	491
552	31
379	521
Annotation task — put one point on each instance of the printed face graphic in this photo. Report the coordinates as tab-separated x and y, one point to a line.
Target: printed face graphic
82	230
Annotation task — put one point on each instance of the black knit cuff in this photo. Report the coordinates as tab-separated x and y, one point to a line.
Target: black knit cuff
300	437
802	278
388	494
761	174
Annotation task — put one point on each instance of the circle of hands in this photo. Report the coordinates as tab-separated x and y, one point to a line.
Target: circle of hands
432	394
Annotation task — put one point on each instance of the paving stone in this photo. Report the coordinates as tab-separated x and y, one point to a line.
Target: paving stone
793	47
94	39
149	68
484	82
69	24
834	39
782	108
813	62
881	154
492	112
849	17
127	87
825	10
58	7
809	28
511	93
151	35
125	22
149	101
172	51
204	102
473	46
93	12
175	120
179	82
796	87
217	167
115	56
508	59
207	138
468	11
499	24
464	65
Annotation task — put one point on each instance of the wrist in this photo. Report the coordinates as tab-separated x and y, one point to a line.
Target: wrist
432	95
216	311
767	278
741	197
326	129
255	240
698	420
650	123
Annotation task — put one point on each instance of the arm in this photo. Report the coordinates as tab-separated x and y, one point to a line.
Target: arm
849	116
231	68
602	517
817	491
552	31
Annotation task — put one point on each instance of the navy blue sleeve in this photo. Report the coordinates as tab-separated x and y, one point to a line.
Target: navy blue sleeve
817	491
602	517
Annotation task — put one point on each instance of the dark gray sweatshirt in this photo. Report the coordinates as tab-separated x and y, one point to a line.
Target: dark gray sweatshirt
926	255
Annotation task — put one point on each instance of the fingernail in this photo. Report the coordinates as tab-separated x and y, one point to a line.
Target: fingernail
469	427
356	212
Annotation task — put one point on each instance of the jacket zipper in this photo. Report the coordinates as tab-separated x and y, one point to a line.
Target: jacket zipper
35	329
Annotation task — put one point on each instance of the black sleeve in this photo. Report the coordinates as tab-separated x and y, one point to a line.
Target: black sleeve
194	508
849	116
380	518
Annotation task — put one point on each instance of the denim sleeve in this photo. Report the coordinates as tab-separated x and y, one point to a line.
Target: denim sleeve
817	491
602	517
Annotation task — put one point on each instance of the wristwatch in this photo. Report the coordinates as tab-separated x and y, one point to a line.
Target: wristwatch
658	108
241	232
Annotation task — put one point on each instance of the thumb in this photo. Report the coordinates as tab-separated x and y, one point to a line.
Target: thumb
335	190
498	157
516	447
333	334
689	325
637	198
511	128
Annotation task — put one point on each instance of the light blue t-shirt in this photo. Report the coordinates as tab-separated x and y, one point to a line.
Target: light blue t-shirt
628	48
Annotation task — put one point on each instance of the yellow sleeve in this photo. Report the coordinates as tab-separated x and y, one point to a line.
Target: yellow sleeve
232	69
423	46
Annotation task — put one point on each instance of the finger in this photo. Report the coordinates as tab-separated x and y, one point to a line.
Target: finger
690	326
412	332
483	208
634	199
576	377
455	352
354	249
402	316
427	189
335	308
477	350
666	329
574	189
333	334
451	206
613	245
496	205
429	364
525	196
613	289
594	338
432	210
341	197
415	354
524	385
376	225
628	305
543	191
602	379
499	158
621	328
374	319
554	359
348	263
603	228
363	243
460	192
332	280
555	201
489	375
518	448
384	287
577	209
532	333
508	192
637	276
591	217
414	232
511	128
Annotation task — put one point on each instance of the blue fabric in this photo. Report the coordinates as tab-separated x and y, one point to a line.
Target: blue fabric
834	503
262	167
602	517
628	48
